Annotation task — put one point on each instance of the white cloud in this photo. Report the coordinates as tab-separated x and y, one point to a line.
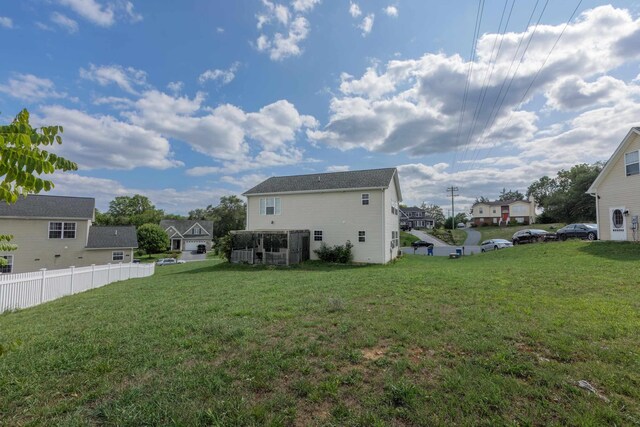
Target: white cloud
222	76
6	22
367	24
245	181
131	14
103	142
92	11
65	22
293	29
391	11
175	87
220	30
126	78
338	168
115	102
413	106
172	200
304	5
28	87
354	10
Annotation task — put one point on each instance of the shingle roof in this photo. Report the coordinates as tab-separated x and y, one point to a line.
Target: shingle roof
101	237
182	225
371	178
58	207
500	202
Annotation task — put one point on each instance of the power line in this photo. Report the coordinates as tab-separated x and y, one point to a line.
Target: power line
537	73
472	55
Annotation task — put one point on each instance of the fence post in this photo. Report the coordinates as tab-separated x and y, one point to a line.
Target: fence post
93	272
73	273
44	273
109	272
120	271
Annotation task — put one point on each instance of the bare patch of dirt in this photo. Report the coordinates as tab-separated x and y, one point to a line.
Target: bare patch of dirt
312	415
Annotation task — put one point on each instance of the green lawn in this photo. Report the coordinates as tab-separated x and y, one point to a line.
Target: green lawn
494	232
454	237
492	339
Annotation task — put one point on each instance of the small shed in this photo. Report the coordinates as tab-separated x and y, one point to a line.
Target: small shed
270	247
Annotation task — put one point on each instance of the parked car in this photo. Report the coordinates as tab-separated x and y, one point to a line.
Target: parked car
582	231
202	249
136	261
421	243
495	244
167	261
532	235
181	261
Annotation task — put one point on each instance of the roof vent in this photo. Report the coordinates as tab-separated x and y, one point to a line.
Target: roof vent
318	179
116	233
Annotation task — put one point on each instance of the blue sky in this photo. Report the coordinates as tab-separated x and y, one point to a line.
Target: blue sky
188	101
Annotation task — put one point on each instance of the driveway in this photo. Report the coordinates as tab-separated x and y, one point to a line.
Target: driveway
428	238
442	250
192	256
473	237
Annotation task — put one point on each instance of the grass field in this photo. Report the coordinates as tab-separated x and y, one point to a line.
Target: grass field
454	237
492	339
494	232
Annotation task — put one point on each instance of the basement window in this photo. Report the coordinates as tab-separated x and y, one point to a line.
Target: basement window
632	163
8	267
317	236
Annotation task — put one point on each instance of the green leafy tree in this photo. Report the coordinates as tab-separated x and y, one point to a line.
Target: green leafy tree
510	195
542	189
435	212
459	218
569	202
152	239
24	160
482	199
230	214
200	213
133	210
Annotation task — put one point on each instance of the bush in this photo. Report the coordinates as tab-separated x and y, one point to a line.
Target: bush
224	246
513	222
338	253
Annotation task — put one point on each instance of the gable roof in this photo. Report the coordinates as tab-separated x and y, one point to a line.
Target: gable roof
501	202
184	225
54	207
633	132
103	237
348	180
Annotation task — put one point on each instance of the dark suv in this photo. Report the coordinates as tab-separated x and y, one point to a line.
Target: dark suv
419	243
532	236
202	249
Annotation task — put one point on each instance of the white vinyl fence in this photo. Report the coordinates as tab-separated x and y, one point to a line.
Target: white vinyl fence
28	289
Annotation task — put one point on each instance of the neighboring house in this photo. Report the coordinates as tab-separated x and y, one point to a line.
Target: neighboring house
187	234
56	232
288	217
415	217
617	191
502	212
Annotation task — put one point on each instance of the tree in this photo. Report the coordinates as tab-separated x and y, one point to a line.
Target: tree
135	210
569	202
510	195
152	238
482	199
199	213
435	212
542	189
230	214
23	160
459	218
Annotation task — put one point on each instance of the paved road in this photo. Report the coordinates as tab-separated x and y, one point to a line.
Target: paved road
473	237
192	256
428	238
442	250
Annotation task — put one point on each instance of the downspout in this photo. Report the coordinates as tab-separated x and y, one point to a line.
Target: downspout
384	242
597	212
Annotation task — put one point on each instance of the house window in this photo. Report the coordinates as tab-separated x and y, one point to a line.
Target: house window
617	218
480	210
317	236
270	206
365	198
8	267
394	239
632	163
494	211
62	230
117	256
361	236
196	230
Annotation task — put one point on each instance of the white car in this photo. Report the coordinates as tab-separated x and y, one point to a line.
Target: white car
495	244
166	261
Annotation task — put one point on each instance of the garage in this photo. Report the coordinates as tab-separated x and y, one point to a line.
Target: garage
192	245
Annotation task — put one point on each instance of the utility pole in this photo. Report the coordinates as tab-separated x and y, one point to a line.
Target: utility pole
452	190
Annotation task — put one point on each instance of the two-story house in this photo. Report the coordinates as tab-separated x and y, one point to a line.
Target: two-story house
501	212
56	232
415	217
617	191
188	234
302	212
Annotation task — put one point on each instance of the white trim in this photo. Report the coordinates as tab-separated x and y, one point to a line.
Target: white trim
175	231
201	227
75	235
113	255
330	190
12	263
608	167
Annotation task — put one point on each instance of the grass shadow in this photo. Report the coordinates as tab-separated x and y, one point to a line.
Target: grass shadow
316	266
619	251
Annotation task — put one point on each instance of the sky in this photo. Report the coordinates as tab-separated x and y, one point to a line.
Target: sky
189	101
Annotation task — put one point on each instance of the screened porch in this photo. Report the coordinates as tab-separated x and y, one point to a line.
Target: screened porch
270	247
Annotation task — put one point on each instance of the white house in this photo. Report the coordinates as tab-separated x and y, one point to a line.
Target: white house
331	208
617	191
